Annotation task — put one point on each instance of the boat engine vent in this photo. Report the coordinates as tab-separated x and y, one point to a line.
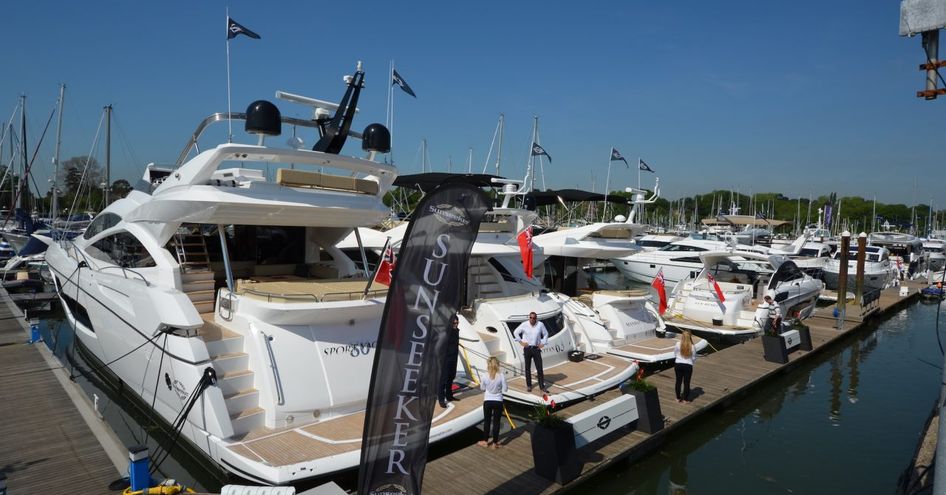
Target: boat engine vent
376	138
262	117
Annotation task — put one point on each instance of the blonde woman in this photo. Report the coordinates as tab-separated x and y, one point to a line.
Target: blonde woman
494	385
683	366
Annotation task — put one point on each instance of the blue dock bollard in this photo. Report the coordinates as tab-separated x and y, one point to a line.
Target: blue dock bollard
138	474
3	483
35	336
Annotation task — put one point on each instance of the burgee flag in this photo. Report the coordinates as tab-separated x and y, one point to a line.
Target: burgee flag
539	150
616	155
660	285
643	166
397	79
234	28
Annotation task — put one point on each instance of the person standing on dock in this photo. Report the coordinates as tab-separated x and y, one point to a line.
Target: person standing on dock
450	356
683	358
533	336
493	385
774	318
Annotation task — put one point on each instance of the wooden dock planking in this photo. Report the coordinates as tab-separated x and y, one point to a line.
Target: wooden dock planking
718	380
46	446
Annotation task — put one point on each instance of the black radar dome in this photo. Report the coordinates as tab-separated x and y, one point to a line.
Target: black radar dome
262	117
376	138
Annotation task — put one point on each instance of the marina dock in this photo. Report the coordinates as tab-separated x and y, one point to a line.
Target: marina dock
724	377
52	442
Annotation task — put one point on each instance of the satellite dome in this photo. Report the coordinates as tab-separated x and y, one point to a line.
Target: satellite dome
376	137
262	117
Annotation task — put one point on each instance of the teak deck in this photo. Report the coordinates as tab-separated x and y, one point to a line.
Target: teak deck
45	444
720	378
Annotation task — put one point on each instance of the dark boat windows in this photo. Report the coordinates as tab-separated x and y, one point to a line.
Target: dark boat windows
101	223
786	272
122	249
554	324
681	247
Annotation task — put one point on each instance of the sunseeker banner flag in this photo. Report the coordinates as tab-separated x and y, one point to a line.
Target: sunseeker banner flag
424	295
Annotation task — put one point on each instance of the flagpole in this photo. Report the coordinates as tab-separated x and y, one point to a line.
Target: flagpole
229	122
639	172
607	188
391	127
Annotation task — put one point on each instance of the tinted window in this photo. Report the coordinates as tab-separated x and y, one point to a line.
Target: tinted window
101	223
553	324
122	249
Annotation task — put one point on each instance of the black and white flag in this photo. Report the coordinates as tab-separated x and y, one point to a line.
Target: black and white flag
425	293
397	79
643	166
539	150
616	155
234	28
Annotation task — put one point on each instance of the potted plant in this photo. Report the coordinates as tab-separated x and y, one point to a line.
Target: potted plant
649	417
553	445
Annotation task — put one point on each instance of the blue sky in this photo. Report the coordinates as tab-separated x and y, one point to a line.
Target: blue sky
797	97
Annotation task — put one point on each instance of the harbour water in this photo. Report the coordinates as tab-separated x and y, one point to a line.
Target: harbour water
846	421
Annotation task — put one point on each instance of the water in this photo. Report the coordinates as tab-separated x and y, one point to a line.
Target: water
847	422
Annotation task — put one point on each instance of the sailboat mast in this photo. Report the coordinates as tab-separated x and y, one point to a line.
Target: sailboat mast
19	184
499	150
54	206
108	152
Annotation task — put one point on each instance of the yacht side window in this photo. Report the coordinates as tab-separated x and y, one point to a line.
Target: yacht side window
100	224
122	249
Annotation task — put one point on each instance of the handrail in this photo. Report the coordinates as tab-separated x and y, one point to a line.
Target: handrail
219	116
125	269
280	399
312	297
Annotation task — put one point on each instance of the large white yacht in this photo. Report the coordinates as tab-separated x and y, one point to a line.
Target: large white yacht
217	281
678	260
634	328
935	250
500	296
743	279
880	271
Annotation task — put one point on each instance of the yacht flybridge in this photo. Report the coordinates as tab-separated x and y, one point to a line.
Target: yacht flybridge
217	282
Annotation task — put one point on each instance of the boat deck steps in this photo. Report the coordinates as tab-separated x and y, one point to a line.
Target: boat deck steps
196	275
247	420
198	285
201	295
231	361
205	306
235	381
242	400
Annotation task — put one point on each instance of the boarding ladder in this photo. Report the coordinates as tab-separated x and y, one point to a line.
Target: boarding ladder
191	251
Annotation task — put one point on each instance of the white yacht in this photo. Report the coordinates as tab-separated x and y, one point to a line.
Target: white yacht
630	325
500	296
217	282
880	270
743	279
678	260
935	250
905	249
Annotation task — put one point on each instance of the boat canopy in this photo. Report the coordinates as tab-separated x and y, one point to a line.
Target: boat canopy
426	182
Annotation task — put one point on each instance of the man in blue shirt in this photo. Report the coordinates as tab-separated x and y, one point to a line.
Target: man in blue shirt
532	336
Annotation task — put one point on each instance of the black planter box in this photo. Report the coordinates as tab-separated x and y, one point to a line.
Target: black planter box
554	454
773	349
649	417
804	334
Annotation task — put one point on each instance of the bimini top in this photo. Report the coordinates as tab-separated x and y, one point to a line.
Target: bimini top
426	182
551	197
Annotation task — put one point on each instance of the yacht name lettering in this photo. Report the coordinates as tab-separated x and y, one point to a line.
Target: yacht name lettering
354	350
425	301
